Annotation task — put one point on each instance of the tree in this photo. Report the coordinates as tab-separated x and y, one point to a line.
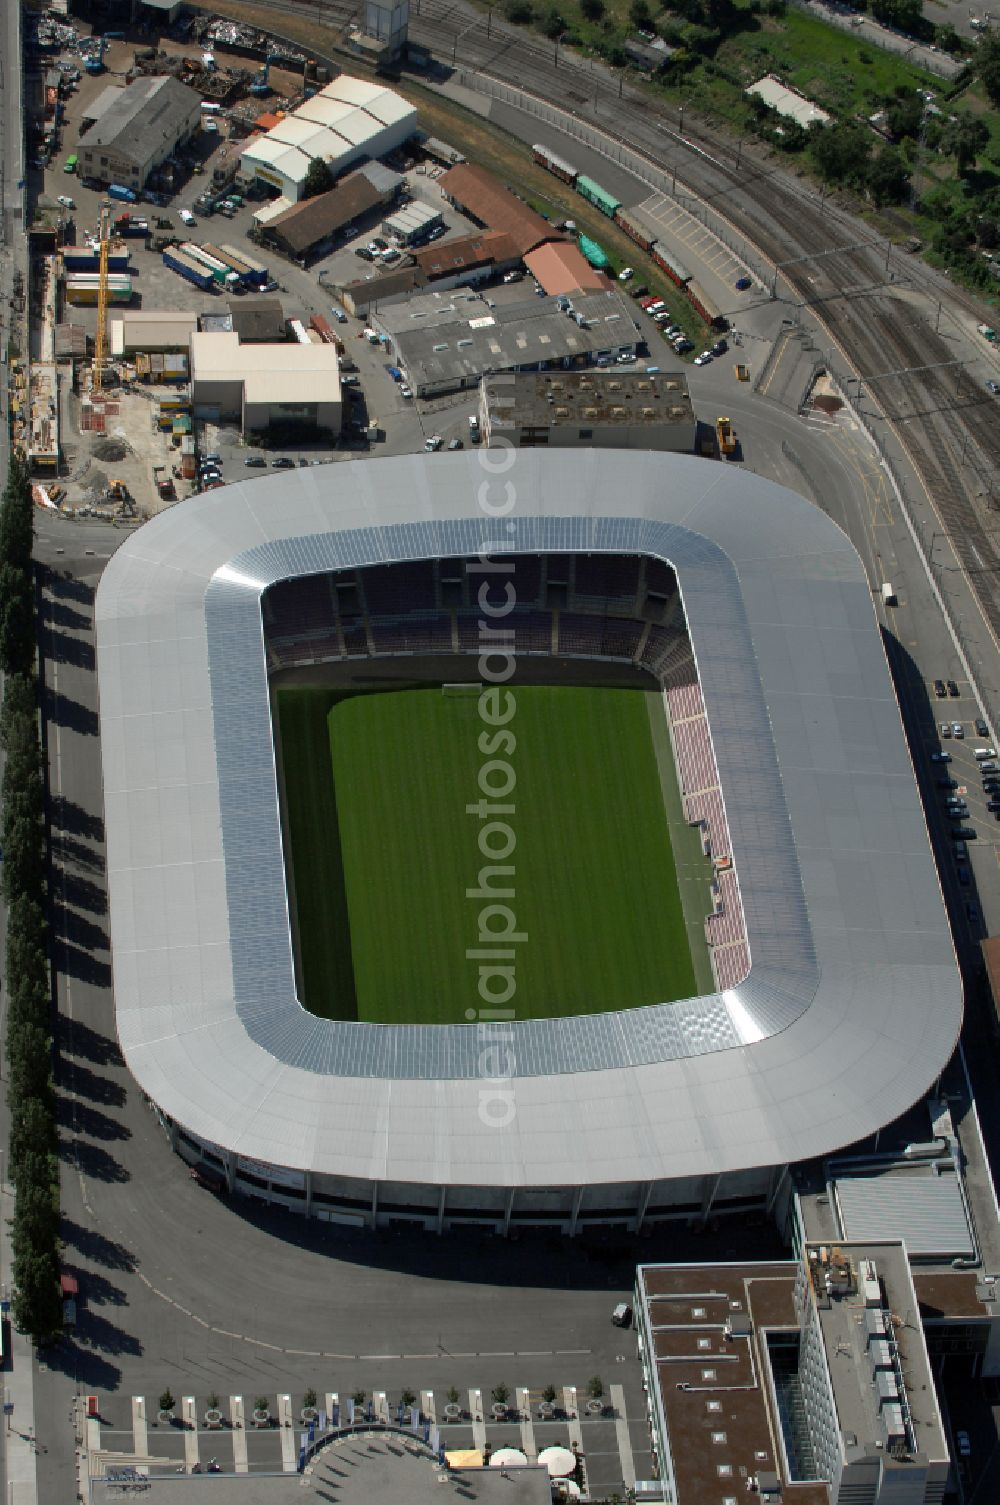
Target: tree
553	22
903	15
987	64
947	38
520	12
886	178
166	1401
19	708
29	1060
500	1394
549	1394
840	152
640	13
319	178
32	1132
17	624
408	1398
37	1305
595	1387
309	1399
904	113
964	138
592	10
16	515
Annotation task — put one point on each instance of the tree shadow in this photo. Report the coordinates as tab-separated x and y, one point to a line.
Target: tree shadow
63	649
82	893
71	817
94	1246
98	1089
105	1336
78	1039
72	1358
70	926
63	584
98	1290
75	851
69	713
81	965
61	615
94	1161
83	1118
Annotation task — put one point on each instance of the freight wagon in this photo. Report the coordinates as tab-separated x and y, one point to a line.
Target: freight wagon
256	274
675	270
178	261
636	226
558	165
598	196
704	305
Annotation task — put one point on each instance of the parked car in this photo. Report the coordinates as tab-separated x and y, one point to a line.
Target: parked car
433	443
993	387
940	690
958	729
940	757
703	359
945	728
952	687
742	283
964	876
455	444
720	347
622	1315
405	391
982	730
65	200
187	218
962	1438
282	463
339	315
626	274
255	462
941	783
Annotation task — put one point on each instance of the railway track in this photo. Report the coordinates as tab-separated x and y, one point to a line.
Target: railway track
785	219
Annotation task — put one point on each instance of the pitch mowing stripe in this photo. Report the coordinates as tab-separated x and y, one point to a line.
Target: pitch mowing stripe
594	883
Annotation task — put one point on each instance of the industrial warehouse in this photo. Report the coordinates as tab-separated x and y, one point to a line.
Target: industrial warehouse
139	131
347	122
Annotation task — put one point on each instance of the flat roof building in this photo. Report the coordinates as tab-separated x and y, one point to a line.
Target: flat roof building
446	342
258	321
150	329
348	121
609	409
806	1382
138	131
265	386
484	198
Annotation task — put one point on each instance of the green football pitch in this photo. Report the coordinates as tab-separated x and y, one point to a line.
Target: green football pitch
383	851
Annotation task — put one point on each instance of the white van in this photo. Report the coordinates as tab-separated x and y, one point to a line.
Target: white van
983	754
474	428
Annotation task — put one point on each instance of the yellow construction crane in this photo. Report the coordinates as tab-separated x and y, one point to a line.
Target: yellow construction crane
100	339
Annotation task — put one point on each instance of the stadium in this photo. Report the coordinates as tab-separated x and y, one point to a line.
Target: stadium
512	839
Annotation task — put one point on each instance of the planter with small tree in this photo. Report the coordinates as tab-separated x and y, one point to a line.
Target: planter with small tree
500	1395
453	1409
165	1414
309	1412
548	1402
408	1399
213	1416
261	1412
595	1390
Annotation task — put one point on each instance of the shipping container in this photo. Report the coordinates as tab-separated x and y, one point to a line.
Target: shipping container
323	329
85	260
82	289
261	274
598	196
704	305
558	165
130	227
297	331
675	270
179	262
636	227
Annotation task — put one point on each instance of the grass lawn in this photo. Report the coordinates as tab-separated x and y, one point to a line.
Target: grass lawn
595	884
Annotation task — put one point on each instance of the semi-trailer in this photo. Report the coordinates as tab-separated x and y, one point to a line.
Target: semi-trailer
222	275
239	268
82	288
178	261
258	273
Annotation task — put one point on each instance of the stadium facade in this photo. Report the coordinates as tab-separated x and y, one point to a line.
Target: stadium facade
848	1002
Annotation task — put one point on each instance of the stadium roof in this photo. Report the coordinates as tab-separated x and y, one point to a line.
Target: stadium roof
853	1002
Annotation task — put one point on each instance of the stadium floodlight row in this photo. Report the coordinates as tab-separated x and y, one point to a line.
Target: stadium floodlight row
853	1002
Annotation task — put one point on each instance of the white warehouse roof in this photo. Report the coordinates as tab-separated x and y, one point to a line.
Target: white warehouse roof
853	1002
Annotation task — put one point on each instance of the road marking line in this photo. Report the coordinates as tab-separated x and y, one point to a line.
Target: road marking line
624	1441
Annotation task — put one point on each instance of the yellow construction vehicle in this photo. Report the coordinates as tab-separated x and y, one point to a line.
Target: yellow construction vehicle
727	439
